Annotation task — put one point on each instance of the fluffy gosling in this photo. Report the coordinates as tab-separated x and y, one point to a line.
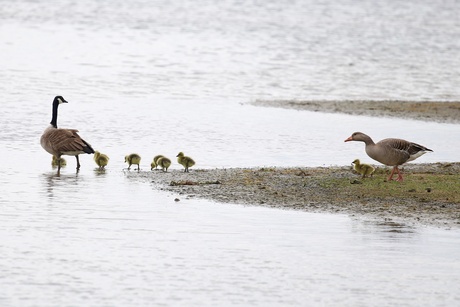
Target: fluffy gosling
185	161
154	163
164	163
101	160
363	169
133	159
55	162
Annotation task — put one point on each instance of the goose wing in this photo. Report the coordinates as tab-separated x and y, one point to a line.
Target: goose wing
67	141
393	151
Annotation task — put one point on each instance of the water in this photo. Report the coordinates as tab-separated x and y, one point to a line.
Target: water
160	77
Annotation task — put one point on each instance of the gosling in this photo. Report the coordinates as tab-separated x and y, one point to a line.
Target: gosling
164	163
154	163
185	161
55	162
133	159
101	160
363	169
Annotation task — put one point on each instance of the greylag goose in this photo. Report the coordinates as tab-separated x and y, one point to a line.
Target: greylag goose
58	141
391	152
164	163
362	168
185	161
133	159
101	160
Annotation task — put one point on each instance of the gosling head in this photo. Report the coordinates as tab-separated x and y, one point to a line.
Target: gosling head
356	161
181	154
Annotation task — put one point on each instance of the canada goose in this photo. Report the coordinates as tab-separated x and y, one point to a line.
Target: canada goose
54	162
164	163
133	159
391	152
60	142
101	160
363	169
154	163
185	161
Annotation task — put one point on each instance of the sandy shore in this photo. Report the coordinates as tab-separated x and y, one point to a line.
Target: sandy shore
336	189
438	111
323	189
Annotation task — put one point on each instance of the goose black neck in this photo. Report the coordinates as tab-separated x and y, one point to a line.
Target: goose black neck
55	114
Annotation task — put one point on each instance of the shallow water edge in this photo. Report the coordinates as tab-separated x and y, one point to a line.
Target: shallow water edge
325	189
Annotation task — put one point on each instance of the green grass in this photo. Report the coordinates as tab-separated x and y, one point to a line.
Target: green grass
421	187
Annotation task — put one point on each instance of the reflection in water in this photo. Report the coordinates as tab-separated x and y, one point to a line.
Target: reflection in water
385	228
56	181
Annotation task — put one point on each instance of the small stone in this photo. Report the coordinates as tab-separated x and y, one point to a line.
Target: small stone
412	190
176	199
428	190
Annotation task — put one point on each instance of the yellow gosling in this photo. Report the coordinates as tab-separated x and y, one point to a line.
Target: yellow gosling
55	162
101	160
133	159
185	161
363	169
154	163
164	163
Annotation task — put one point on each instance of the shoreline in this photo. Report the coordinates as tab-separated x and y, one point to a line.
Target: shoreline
336	189
436	111
429	196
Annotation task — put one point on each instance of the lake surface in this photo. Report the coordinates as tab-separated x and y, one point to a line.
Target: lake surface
159	77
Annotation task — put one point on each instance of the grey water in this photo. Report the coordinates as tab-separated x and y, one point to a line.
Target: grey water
162	77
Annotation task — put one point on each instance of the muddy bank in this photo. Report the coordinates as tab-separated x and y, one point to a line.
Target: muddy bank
438	111
430	194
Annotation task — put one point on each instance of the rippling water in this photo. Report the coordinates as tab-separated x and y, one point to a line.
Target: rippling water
239	50
161	77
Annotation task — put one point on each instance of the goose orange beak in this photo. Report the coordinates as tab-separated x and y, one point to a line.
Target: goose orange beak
349	139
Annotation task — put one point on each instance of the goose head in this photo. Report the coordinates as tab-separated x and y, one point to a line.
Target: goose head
58	100
360	137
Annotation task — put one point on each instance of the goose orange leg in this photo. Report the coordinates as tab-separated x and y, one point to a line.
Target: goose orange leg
400	177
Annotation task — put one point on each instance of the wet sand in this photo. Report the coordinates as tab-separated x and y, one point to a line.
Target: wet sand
318	189
331	189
